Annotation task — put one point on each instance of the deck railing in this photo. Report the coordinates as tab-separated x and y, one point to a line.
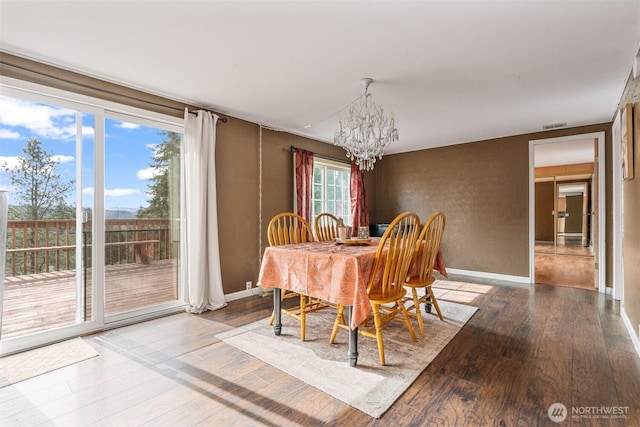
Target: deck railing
50	245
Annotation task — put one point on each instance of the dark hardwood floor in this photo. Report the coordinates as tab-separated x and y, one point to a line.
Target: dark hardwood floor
525	349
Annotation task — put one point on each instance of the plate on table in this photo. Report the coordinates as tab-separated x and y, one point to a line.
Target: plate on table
354	242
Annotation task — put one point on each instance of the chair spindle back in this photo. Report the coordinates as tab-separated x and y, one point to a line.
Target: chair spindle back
287	228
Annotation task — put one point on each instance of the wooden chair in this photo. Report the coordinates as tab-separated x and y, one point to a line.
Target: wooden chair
392	261
287	228
425	255
326	227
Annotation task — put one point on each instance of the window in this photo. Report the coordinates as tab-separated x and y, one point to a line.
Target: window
331	189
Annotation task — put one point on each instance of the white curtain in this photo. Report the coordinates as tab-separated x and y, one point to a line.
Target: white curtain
203	290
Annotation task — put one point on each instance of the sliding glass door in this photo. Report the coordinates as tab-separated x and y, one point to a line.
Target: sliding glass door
141	215
93	236
45	146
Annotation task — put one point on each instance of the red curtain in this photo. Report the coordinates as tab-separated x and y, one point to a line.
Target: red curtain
359	209
304	182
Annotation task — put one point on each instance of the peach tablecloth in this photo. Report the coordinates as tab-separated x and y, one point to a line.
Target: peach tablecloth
327	270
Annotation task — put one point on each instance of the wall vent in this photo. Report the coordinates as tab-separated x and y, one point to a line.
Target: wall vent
554	126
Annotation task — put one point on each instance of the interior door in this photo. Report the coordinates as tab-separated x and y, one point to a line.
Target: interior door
573	220
572	200
545	215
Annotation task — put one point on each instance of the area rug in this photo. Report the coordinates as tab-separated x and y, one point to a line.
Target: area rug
22	366
369	387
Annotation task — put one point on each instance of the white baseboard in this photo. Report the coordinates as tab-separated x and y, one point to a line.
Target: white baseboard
632	333
253	292
505	277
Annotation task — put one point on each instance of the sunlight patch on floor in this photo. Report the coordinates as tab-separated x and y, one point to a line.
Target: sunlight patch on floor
462	292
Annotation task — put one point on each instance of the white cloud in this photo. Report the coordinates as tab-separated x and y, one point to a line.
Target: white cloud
118	192
147	173
62	159
88	131
154	149
125	125
43	120
11	161
8	134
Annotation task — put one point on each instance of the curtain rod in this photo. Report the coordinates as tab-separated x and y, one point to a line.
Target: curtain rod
220	119
322	156
105	91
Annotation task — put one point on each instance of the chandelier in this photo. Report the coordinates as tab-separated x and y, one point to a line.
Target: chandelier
366	132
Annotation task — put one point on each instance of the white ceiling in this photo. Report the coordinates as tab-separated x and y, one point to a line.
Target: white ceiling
452	71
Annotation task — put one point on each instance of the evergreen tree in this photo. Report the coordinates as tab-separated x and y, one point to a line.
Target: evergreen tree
39	189
163	187
40	194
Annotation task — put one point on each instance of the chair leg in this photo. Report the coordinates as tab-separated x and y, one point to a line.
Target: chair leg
336	324
407	321
416	308
378	322
434	301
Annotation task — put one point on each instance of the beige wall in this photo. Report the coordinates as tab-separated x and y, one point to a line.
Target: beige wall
237	191
483	188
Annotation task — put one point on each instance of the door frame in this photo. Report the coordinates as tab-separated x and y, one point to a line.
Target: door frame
617	210
601	213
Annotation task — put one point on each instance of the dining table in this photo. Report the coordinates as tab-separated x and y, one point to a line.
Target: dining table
336	272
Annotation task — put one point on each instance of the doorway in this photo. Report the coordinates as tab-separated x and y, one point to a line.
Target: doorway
564	252
566	228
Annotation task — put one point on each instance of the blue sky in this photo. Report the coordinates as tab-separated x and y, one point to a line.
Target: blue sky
129	150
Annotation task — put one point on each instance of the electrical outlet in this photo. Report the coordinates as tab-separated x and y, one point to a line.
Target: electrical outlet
249	285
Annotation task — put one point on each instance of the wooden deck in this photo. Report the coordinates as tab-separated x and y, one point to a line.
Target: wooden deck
36	302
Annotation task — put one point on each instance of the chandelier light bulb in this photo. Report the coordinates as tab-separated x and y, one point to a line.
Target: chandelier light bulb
366	131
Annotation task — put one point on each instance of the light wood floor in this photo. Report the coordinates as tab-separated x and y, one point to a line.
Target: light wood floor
565	265
525	349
